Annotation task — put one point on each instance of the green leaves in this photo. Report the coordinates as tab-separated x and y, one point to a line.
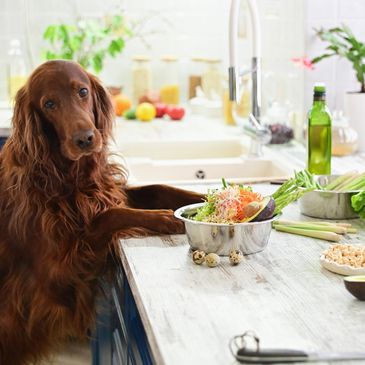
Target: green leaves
342	42
88	42
358	203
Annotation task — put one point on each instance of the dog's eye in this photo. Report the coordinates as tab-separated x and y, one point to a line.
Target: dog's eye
49	104
83	92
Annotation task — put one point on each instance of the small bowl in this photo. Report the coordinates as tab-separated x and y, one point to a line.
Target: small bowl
327	204
356	286
220	238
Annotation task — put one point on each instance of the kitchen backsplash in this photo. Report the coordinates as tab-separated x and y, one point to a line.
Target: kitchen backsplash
198	28
336	73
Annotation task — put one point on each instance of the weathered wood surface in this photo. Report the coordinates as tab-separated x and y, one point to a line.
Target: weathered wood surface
190	312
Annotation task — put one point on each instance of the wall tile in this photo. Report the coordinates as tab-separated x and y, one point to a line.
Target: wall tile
322	9
185	28
351	9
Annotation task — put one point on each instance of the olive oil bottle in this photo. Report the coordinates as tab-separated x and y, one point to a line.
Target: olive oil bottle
319	134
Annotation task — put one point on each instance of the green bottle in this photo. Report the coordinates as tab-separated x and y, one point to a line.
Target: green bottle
319	134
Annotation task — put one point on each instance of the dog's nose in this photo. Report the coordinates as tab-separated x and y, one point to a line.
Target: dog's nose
83	139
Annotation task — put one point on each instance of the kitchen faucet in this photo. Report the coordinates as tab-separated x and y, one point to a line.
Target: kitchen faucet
259	134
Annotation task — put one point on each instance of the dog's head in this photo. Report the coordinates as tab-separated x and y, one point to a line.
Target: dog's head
64	106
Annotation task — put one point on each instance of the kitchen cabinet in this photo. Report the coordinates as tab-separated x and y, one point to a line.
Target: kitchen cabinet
119	338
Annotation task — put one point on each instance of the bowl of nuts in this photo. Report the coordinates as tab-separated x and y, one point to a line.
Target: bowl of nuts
344	259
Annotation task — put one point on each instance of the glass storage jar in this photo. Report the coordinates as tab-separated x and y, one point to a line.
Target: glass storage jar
170	89
344	138
212	78
142	78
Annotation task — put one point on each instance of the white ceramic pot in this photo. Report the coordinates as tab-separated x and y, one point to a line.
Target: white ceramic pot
354	106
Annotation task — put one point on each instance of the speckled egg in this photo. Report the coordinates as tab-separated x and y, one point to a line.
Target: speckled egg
212	260
198	257
235	257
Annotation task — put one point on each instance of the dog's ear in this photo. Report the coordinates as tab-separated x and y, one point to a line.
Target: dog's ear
28	136
103	108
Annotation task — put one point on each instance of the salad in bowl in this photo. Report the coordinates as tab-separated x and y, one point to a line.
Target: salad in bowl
235	217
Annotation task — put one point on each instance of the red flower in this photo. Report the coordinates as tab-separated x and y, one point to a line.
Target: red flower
303	61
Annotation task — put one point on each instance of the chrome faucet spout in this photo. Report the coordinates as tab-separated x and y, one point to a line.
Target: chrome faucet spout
235	77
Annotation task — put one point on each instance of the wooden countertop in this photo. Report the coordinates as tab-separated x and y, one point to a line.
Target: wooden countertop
190	312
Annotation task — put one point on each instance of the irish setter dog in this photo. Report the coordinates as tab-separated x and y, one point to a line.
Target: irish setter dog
62	208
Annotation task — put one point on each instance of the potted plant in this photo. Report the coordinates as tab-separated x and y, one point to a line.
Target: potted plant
342	42
89	41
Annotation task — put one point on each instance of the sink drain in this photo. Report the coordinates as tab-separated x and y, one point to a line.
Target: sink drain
200	174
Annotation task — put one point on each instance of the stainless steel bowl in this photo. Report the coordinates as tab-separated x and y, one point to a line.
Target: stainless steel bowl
327	204
219	238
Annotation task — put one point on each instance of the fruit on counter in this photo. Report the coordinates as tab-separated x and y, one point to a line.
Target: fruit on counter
152	97
145	112
160	109
121	104
175	112
130	114
280	133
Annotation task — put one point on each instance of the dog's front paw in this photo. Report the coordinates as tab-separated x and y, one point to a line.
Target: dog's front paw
167	223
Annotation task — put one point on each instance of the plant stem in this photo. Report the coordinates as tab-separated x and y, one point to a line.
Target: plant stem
312	226
324	235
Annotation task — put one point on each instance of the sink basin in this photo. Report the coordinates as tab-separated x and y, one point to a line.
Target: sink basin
183	149
194	151
242	169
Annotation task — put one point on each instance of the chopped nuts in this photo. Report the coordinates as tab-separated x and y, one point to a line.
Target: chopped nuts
351	255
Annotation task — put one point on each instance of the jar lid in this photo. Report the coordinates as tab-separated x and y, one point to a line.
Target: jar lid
212	60
197	59
169	58
141	58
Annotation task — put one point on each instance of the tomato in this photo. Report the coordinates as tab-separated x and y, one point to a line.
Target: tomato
175	112
160	109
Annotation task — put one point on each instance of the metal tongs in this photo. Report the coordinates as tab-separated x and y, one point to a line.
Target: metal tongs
240	350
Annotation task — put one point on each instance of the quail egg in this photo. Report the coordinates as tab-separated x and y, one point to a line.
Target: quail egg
198	257
235	257
212	260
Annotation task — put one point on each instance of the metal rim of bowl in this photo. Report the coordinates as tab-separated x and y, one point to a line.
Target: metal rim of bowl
178	214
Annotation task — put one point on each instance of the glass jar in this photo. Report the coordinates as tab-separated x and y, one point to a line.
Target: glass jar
142	78
195	78
212	79
170	90
344	138
17	68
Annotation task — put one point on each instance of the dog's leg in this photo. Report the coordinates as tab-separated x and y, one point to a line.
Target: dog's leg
161	197
117	219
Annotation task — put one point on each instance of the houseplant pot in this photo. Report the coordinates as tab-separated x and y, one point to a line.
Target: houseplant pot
354	105
343	43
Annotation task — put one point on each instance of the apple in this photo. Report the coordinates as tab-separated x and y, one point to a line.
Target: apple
175	112
160	109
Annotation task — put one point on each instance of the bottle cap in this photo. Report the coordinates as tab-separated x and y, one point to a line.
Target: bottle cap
319	87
